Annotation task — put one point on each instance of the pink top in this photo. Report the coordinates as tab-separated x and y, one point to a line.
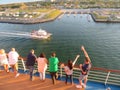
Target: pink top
68	71
42	64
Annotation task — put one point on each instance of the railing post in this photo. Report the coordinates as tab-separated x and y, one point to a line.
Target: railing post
60	72
107	77
23	65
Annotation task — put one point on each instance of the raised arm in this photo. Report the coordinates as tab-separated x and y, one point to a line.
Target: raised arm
85	53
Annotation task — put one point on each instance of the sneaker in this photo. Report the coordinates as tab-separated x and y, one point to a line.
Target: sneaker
108	88
7	71
78	86
17	75
83	85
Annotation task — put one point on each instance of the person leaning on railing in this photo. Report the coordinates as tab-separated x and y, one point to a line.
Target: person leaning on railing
31	59
42	66
4	60
13	57
85	68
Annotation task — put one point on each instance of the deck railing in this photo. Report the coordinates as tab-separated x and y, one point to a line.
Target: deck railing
101	75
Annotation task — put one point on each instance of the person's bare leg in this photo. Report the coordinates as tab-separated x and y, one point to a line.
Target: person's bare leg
80	81
16	70
6	67
85	82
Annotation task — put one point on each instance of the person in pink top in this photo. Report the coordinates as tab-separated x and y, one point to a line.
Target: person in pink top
13	59
42	65
4	60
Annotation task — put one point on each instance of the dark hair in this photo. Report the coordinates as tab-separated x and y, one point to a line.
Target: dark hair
53	54
42	55
70	65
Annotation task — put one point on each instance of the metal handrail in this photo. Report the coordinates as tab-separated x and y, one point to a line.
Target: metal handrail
99	75
107	77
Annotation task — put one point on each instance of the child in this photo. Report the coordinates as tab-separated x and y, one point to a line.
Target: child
68	71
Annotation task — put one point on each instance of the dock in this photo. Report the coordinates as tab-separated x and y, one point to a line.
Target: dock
9	82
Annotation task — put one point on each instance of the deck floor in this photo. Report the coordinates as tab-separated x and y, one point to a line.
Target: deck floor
9	82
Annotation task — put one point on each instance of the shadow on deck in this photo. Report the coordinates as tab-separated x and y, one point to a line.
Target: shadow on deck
9	82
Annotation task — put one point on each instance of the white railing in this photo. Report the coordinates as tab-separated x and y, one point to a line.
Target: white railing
107	77
98	75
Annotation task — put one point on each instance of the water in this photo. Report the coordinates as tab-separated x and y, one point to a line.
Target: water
101	40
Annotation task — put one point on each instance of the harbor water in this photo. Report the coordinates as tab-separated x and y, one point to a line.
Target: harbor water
69	33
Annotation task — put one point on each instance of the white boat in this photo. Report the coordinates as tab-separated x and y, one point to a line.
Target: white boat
40	34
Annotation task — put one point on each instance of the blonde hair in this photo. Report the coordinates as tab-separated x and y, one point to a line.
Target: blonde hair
32	51
2	51
12	49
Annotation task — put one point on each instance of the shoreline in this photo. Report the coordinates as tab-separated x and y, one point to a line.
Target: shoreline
26	21
103	20
22	21
40	20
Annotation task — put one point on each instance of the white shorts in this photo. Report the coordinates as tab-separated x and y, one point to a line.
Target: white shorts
2	62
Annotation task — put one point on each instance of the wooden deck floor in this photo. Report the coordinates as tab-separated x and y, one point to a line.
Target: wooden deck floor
9	82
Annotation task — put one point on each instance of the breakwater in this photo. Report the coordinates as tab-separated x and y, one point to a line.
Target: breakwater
25	21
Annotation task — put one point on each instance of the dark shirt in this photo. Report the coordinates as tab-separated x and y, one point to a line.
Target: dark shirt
31	58
86	68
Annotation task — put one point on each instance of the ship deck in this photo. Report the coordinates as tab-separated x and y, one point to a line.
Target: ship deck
9	82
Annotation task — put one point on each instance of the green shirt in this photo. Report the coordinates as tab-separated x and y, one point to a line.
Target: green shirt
53	64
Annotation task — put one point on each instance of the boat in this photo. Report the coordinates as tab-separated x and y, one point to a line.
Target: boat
40	34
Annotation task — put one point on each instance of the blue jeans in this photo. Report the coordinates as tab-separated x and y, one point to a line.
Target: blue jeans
31	69
71	79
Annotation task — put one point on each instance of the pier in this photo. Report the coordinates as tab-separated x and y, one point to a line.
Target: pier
76	11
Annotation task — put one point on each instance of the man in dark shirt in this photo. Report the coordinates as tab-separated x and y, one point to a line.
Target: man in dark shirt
31	58
85	68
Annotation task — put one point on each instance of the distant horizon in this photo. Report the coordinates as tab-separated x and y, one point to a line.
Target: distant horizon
15	1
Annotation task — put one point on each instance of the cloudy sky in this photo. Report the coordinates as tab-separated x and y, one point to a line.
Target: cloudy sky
15	1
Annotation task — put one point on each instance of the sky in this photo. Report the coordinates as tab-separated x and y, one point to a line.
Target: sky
15	1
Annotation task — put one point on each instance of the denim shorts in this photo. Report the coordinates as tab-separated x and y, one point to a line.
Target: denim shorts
82	77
